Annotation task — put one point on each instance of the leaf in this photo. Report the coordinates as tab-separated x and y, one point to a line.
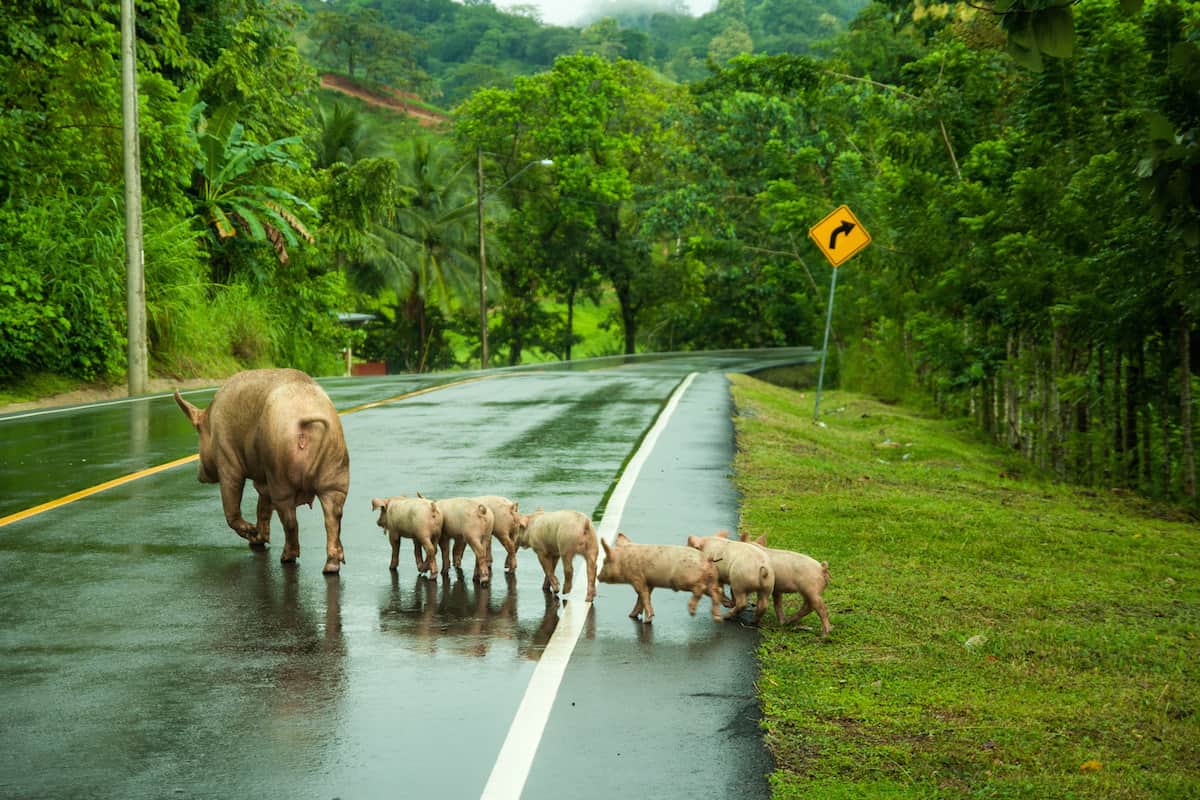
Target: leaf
1030	58
1161	128
250	217
1054	29
1132	6
278	241
224	226
292	220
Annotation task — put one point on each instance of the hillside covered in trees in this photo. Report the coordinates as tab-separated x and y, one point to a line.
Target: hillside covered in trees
1030	176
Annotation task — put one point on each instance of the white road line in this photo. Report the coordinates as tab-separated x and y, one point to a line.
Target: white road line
512	767
63	409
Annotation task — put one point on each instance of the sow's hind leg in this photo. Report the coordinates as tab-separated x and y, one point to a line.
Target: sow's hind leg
332	502
291	531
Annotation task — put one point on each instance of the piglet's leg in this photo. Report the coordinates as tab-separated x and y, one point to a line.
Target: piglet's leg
591	575
420	562
637	607
568	562
716	595
431	558
395	562
510	547
761	607
548	564
648	614
739	603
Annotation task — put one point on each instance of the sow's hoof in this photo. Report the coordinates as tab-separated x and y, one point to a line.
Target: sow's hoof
332	567
258	546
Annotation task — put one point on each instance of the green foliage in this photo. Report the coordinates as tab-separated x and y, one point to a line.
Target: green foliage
63	296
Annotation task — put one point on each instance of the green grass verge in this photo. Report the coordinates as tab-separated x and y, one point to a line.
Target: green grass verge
995	634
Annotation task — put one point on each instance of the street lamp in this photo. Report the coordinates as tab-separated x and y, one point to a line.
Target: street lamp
483	321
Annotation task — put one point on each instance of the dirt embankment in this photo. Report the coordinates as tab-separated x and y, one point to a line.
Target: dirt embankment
392	99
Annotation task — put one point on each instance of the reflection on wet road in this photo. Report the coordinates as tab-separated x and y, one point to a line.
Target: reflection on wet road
145	652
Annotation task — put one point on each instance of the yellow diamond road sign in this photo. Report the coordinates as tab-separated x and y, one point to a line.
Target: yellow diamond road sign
840	235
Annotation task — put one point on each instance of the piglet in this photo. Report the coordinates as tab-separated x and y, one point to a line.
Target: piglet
743	567
561	534
416	518
796	573
647	567
507	520
466	521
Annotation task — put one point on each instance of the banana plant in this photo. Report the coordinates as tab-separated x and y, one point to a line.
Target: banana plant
233	197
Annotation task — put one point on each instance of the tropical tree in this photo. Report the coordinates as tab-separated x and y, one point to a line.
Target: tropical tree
601	123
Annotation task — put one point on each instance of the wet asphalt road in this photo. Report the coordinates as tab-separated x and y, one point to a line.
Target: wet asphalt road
146	652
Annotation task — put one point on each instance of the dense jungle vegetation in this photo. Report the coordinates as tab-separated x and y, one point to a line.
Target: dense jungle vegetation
1029	173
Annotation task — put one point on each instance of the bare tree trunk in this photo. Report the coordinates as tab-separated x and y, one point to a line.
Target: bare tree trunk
1133	382
1164	412
1116	409
1056	436
1083	428
1145	424
1102	406
1185	405
570	320
1012	417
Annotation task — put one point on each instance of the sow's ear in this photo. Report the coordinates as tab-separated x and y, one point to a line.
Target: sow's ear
194	415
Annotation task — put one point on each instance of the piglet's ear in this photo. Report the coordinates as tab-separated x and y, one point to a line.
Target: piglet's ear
722	534
378	503
622	539
607	549
761	541
694	542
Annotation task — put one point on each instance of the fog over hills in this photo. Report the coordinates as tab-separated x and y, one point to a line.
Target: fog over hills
581	12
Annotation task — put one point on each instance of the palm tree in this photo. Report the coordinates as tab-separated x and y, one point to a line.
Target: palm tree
425	249
231	199
344	135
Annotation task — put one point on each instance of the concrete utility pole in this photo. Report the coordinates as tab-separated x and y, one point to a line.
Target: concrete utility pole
135	277
483	320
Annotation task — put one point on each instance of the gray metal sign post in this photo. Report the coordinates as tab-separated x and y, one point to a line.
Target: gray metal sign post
825	346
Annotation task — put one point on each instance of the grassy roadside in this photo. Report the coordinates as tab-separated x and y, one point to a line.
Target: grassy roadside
995	634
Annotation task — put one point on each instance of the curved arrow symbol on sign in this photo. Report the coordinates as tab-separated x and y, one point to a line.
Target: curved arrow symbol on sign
845	228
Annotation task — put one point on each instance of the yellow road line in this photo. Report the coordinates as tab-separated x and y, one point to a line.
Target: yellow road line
133	476
71	498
